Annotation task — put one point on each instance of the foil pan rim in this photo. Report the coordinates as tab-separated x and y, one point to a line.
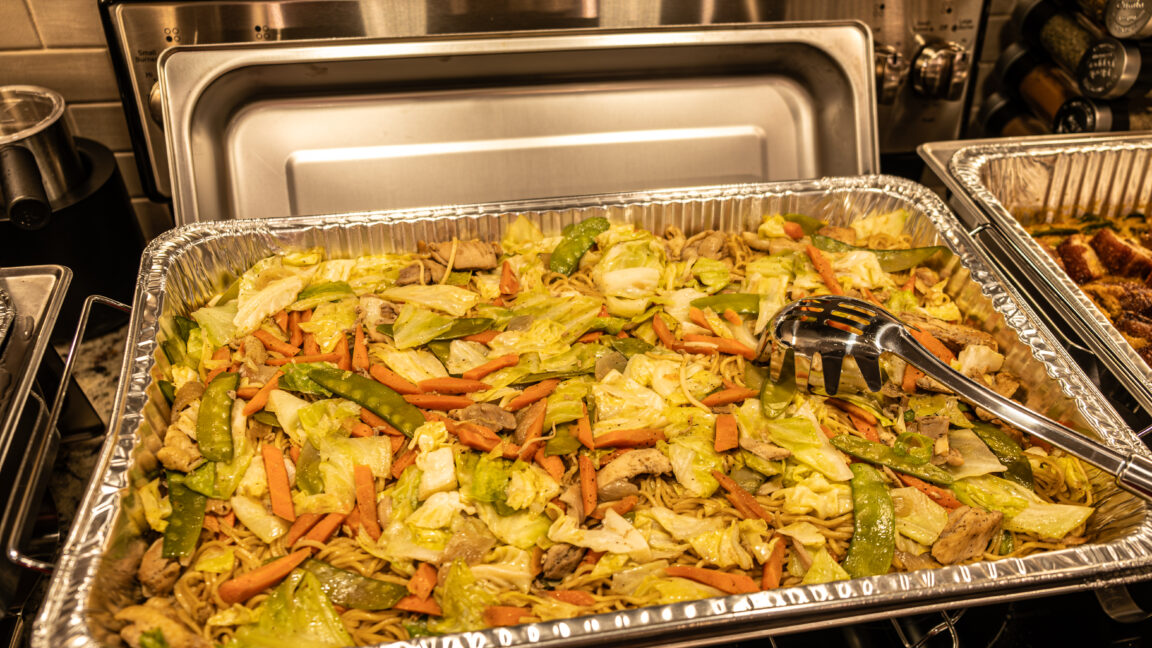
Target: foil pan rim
966	166
63	620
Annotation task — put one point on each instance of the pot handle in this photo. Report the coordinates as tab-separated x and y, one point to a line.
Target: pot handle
41	449
25	203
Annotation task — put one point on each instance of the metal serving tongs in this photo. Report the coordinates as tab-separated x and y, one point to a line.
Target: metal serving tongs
833	327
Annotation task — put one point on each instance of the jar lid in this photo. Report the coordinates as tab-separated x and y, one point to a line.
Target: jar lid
1029	16
1082	115
1013	65
1111	69
996	111
1129	18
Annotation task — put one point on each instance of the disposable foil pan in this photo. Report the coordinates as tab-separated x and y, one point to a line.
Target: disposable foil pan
1018	183
183	267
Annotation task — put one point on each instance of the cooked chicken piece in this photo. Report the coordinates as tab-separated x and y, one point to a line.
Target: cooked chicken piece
254	351
779	245
560	560
1134	324
190	392
1080	260
609	361
217	507
1116	297
933	427
926	276
1122	257
842	234
525	417
707	244
469	255
421	272
755	242
573	501
491	416
763	449
157	614
674	242
966	536
954	336
912	562
630	464
156	573
180	452
470	543
617	490
374	312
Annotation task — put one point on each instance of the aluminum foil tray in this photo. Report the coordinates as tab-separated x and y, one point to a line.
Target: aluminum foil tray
183	267
1018	183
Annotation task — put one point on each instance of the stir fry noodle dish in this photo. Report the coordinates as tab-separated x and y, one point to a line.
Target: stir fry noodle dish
478	434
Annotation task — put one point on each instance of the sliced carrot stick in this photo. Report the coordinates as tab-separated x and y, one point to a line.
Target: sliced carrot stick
774	566
573	597
941	496
533	434
247	393
733	317
584	430
278	488
295	333
504	615
245	586
343	354
360	350
639	438
552	465
294	452
221	355
721	345
592	557
479	429
697	317
504	361
587	482
868	430
621	506
402	462
303	524
366	499
535	561
438	401
825	269
532	394
660	327
723	581
322	530
418	605
352	521
483	338
870	296
827	431
932	344
727	433
423	581
793	230
260	398
741	507
450	385
212	523
391	379
281	320
509	284
911	375
613	456
591	337
371	418
728	396
310	357
746	498
361	430
310	346
852	409
272	344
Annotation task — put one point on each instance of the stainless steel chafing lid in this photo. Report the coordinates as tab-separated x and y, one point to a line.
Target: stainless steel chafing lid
272	130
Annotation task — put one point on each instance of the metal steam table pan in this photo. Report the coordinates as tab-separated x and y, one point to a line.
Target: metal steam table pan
1005	185
292	129
182	268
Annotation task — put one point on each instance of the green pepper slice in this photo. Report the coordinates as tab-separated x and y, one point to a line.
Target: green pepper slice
879	453
308	475
808	224
578	239
351	590
890	260
742	303
874	524
775	396
186	520
267	418
214	422
1007	451
168	390
379	399
184	326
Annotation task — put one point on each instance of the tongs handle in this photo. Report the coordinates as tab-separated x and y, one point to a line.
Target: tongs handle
1133	472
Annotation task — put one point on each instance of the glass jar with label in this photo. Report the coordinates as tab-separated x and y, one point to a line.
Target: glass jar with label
1129	18
1061	34
1113	68
1002	116
1084	115
1038	83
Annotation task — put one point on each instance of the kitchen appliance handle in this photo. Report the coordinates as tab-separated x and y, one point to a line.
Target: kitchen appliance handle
19	509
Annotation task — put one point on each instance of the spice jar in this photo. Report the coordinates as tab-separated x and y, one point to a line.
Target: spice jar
1039	84
1093	9
1112	69
1084	115
1129	18
1001	116
1061	34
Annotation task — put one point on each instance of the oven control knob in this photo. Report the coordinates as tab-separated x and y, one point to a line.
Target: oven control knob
156	105
940	71
891	73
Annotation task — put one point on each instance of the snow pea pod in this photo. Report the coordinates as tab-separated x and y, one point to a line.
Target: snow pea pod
742	303
879	453
578	238
890	260
1007	451
186	519
775	396
379	399
874	524
808	224
214	422
351	590
461	327
308	475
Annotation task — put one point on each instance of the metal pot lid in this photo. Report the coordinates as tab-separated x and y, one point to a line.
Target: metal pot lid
289	129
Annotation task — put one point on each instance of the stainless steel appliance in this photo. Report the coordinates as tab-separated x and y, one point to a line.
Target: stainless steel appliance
923	48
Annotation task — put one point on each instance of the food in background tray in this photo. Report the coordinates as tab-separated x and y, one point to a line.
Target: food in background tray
481	435
1112	263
